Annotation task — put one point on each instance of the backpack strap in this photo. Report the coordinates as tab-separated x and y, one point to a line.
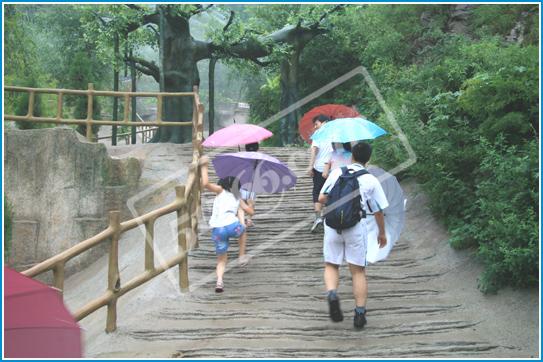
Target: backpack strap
358	174
361	172
345	171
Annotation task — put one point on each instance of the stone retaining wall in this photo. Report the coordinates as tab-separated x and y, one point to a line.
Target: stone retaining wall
61	188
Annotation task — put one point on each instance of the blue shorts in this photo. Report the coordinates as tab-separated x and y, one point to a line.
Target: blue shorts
221	235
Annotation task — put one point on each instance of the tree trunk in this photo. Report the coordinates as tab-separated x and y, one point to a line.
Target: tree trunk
211	125
179	76
289	96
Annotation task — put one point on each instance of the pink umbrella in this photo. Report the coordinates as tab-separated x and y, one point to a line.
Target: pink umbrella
37	324
237	134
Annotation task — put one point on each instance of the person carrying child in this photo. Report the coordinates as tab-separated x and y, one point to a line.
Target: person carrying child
226	219
349	193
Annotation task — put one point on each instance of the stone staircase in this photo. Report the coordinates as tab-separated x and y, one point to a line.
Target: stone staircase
276	308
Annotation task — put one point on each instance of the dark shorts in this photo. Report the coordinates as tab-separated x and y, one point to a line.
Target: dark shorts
318	183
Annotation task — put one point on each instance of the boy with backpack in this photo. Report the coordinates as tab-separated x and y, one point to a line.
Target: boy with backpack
349	193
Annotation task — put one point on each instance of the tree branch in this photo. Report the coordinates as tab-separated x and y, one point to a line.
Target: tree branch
155	30
200	9
151	18
258	62
230	20
325	15
203	50
146	67
134	7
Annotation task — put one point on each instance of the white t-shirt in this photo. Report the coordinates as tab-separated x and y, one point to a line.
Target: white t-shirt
323	154
370	188
225	210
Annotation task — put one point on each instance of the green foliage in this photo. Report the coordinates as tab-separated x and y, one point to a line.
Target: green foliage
507	204
8	227
469	106
264	104
48	47
501	19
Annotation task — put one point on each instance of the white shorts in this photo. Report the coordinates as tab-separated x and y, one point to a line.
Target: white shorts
350	245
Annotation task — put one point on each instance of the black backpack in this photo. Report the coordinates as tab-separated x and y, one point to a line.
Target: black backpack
343	208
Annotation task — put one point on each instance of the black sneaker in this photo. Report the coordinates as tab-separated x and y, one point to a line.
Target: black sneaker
335	311
359	320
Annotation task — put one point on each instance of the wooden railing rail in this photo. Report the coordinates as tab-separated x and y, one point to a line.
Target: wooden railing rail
91	93
146	132
187	205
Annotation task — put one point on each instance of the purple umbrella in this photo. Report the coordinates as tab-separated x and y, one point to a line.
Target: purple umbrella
256	171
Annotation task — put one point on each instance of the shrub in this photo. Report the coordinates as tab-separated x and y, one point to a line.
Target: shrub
507	225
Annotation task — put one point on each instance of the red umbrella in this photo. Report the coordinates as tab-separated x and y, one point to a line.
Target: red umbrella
305	127
37	324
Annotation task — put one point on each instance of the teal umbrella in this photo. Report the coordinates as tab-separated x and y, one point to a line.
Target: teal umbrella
347	130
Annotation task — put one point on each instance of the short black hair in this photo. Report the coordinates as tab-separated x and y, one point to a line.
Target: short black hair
362	152
230	184
347	146
321	118
251	147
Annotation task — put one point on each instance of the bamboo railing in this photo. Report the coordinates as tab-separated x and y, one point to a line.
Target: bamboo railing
187	206
91	93
146	134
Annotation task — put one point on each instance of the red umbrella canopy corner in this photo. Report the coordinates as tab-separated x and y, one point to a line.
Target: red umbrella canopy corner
305	126
37	324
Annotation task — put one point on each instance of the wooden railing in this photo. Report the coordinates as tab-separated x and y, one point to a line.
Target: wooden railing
90	93
146	132
187	205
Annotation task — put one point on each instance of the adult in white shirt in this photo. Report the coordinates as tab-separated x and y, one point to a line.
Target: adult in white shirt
320	155
351	244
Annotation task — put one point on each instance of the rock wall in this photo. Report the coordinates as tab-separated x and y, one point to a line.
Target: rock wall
61	188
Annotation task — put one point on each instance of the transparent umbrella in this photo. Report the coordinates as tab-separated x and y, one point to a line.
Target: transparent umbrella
394	216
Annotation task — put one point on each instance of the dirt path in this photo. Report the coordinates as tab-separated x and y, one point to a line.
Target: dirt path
423	301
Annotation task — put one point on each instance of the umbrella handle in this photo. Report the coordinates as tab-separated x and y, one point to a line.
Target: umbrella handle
239	147
253	182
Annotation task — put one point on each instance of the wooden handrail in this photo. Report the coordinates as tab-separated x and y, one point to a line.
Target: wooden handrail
89	121
81	92
187	205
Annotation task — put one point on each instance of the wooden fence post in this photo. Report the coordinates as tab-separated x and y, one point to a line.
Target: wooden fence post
59	105
31	100
114	279
58	275
149	248
182	226
89	111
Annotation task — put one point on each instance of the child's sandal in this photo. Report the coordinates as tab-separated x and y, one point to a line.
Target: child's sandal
219	287
243	260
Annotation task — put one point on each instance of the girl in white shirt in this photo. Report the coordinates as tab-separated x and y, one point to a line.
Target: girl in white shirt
228	210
